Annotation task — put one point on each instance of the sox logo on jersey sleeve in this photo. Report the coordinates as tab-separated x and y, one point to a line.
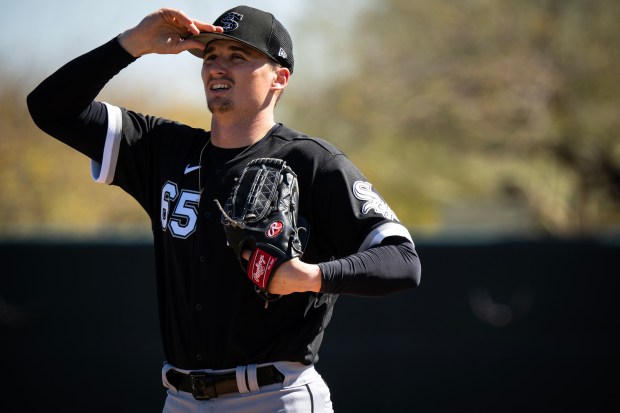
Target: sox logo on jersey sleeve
363	191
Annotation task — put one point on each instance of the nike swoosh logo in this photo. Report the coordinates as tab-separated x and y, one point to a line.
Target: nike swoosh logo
189	169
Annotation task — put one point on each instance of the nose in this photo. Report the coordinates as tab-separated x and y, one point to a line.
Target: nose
215	65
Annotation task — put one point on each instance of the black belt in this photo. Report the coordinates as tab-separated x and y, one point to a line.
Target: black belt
204	386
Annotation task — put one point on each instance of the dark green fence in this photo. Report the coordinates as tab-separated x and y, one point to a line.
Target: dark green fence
507	326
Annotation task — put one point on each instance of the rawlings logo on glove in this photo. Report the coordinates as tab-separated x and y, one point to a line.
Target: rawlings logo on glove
261	265
260	216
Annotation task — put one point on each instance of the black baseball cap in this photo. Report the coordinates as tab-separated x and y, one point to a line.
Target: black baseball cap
255	28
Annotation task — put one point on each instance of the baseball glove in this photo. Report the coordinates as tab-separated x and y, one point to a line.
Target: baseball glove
261	216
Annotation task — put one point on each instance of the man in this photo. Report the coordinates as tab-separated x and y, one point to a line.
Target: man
225	348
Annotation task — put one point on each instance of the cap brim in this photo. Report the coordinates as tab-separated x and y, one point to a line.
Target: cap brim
207	38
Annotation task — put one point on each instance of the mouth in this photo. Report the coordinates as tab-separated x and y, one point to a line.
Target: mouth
219	86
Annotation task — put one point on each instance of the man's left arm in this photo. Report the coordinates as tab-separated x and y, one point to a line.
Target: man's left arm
386	268
371	252
389	267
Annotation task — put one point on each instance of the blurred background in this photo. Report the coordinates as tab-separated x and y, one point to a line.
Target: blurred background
491	128
471	117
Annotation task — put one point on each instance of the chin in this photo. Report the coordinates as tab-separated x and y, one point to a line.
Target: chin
220	107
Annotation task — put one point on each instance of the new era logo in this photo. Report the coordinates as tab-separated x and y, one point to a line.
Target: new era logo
282	53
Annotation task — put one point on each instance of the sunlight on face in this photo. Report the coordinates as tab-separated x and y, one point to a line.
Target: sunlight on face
236	77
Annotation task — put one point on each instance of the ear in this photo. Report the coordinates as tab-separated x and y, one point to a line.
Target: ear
281	77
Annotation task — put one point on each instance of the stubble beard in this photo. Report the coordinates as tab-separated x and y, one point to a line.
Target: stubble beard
221	107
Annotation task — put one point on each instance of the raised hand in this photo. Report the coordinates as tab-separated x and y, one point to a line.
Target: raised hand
165	31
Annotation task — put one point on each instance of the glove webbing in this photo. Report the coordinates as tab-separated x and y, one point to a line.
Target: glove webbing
266	178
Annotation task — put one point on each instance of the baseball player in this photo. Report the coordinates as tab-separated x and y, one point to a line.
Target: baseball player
227	348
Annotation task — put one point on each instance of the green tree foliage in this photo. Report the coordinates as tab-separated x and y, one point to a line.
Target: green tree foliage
441	103
448	101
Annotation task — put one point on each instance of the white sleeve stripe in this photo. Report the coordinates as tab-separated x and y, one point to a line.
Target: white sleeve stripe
380	233
104	172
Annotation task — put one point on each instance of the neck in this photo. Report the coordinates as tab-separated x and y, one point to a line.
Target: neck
231	132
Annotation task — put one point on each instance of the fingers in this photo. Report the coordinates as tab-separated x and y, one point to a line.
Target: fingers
206	27
185	26
180	19
165	31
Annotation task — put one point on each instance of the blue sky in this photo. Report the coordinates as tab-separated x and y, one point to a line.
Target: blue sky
38	36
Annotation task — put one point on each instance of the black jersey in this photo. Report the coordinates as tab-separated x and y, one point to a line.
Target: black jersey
210	314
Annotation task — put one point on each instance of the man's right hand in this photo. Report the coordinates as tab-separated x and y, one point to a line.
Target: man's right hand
164	32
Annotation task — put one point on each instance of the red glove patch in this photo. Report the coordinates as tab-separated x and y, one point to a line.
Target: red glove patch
260	268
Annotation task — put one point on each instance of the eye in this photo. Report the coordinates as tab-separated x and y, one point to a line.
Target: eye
237	57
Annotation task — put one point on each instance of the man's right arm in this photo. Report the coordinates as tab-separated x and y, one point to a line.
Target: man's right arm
63	104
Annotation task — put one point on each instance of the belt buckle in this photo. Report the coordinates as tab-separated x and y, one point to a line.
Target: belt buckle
203	386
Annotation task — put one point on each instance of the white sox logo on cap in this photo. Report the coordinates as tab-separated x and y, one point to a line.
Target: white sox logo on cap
255	28
231	21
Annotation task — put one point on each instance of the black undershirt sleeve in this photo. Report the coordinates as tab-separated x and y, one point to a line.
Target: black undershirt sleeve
383	269
63	104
